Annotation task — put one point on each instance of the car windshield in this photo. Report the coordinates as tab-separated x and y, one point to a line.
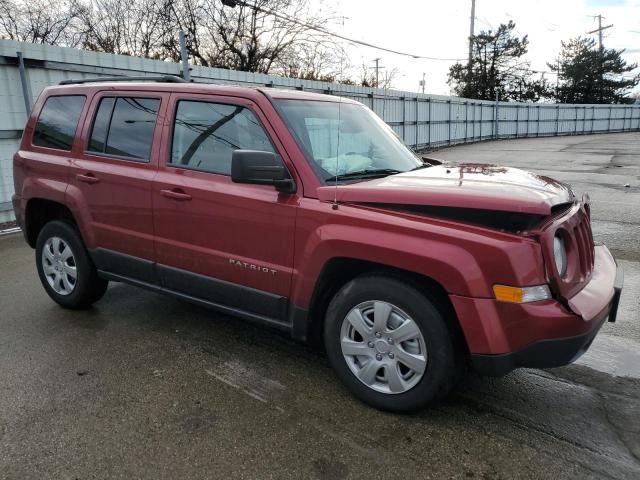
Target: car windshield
346	141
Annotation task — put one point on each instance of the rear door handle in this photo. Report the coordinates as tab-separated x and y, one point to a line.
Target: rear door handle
87	178
175	194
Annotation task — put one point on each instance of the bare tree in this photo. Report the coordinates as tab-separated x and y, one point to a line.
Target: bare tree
324	61
279	36
186	15
388	78
147	27
260	37
127	27
103	22
367	77
40	21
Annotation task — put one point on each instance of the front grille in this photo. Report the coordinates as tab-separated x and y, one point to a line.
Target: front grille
575	227
584	243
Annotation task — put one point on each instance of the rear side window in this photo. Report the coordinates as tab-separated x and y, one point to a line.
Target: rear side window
58	121
124	126
206	134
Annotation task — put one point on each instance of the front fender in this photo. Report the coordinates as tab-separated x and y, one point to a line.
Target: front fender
331	241
463	259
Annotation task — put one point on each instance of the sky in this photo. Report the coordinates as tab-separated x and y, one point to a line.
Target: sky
441	29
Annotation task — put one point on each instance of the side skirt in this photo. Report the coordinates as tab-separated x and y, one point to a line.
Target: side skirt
226	297
252	317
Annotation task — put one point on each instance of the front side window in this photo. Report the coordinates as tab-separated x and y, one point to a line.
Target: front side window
58	120
206	134
124	126
344	140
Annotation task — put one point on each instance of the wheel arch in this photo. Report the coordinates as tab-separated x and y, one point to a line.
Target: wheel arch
338	271
40	211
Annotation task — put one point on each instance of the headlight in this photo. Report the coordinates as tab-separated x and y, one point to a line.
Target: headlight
560	255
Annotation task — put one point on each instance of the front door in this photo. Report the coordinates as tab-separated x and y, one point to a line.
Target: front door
227	243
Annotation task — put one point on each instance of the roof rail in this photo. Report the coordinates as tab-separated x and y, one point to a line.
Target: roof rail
161	78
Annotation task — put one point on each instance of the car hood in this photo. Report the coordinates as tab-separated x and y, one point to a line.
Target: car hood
486	187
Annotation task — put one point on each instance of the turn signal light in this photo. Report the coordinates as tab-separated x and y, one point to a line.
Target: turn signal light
505	293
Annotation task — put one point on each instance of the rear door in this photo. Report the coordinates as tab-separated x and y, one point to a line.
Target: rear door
111	180
228	243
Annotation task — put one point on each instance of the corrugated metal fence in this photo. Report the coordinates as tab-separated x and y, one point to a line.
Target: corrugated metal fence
423	121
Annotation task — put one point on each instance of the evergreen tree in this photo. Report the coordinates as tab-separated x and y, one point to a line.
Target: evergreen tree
588	74
497	68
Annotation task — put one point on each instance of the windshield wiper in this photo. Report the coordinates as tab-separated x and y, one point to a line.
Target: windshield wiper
367	173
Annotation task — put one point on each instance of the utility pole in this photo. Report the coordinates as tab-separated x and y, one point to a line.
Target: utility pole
184	57
377	69
422	82
601	45
471	33
599	30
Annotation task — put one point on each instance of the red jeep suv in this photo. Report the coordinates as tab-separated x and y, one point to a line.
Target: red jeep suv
307	213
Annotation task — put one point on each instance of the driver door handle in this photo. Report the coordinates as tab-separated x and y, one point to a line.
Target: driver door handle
87	178
175	194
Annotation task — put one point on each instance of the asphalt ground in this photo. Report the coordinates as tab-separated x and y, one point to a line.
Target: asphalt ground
145	386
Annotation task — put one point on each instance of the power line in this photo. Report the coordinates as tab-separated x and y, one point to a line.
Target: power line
233	3
486	22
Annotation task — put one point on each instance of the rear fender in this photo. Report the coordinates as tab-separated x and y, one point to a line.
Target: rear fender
76	202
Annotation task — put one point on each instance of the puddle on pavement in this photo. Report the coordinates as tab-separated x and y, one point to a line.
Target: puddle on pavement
613	355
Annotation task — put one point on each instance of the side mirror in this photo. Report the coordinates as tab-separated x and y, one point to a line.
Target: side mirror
261	168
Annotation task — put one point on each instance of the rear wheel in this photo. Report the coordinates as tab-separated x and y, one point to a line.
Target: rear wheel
389	344
65	268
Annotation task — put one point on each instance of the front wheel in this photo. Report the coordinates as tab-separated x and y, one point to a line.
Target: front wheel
65	269
389	344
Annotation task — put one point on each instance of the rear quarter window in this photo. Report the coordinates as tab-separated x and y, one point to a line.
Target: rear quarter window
57	122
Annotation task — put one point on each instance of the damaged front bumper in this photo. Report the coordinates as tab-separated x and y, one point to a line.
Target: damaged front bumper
596	303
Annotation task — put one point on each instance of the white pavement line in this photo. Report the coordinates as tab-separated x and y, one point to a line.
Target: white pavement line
238	387
241	377
10	231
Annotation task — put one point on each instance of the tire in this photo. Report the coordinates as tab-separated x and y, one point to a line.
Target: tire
60	253
398	303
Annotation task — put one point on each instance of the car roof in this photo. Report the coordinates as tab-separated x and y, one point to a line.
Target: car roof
196	88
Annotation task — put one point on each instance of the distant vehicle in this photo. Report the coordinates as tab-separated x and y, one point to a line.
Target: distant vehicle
306	213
